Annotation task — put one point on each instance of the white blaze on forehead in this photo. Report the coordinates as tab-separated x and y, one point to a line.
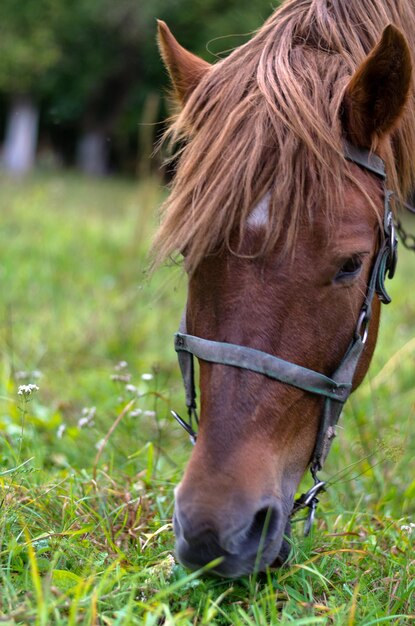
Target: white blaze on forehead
260	213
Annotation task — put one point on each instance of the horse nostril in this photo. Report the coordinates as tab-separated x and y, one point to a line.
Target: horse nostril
263	526
257	532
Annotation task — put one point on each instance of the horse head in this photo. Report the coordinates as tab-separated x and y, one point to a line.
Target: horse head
280	233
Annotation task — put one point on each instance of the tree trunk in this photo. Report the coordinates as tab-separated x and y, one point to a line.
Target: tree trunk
146	135
21	136
101	114
92	157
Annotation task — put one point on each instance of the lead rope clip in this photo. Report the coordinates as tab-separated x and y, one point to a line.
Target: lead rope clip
309	500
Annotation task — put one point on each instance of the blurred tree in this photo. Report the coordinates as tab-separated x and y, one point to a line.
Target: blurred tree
28	49
101	61
94	68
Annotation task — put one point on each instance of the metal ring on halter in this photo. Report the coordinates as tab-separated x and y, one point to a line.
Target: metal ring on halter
306	499
362	328
309	500
393	240
311	517
391	225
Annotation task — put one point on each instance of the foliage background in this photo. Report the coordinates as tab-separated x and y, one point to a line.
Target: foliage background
94	64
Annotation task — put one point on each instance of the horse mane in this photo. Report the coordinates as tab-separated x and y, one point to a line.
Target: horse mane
266	119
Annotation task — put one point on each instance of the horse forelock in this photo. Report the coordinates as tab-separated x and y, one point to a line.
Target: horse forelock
267	120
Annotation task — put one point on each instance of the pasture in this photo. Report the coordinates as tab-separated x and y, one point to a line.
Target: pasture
90	460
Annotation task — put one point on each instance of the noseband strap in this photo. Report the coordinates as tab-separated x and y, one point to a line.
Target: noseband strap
335	389
255	361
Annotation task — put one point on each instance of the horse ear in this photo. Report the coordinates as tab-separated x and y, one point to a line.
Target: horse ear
376	95
185	68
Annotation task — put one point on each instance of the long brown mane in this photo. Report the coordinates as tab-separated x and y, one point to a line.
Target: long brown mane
267	119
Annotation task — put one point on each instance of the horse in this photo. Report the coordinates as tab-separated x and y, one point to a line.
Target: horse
280	209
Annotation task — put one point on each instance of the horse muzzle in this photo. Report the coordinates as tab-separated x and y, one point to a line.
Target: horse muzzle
245	539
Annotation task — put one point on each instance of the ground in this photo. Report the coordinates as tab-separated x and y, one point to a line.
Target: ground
88	462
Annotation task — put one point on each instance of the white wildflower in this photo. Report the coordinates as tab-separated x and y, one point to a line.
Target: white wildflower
147	377
61	430
122	365
136	413
408	528
27	390
168	566
121	378
150	413
164	567
130	388
88	415
21	375
100	444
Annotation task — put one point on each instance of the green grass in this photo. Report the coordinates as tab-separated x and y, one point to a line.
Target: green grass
85	510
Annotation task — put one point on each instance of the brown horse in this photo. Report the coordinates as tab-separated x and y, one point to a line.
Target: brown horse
280	234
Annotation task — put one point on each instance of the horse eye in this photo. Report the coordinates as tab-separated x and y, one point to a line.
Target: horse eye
350	268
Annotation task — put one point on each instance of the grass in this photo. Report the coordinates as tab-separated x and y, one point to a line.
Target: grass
89	462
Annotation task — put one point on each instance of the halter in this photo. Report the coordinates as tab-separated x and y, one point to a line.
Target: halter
335	389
